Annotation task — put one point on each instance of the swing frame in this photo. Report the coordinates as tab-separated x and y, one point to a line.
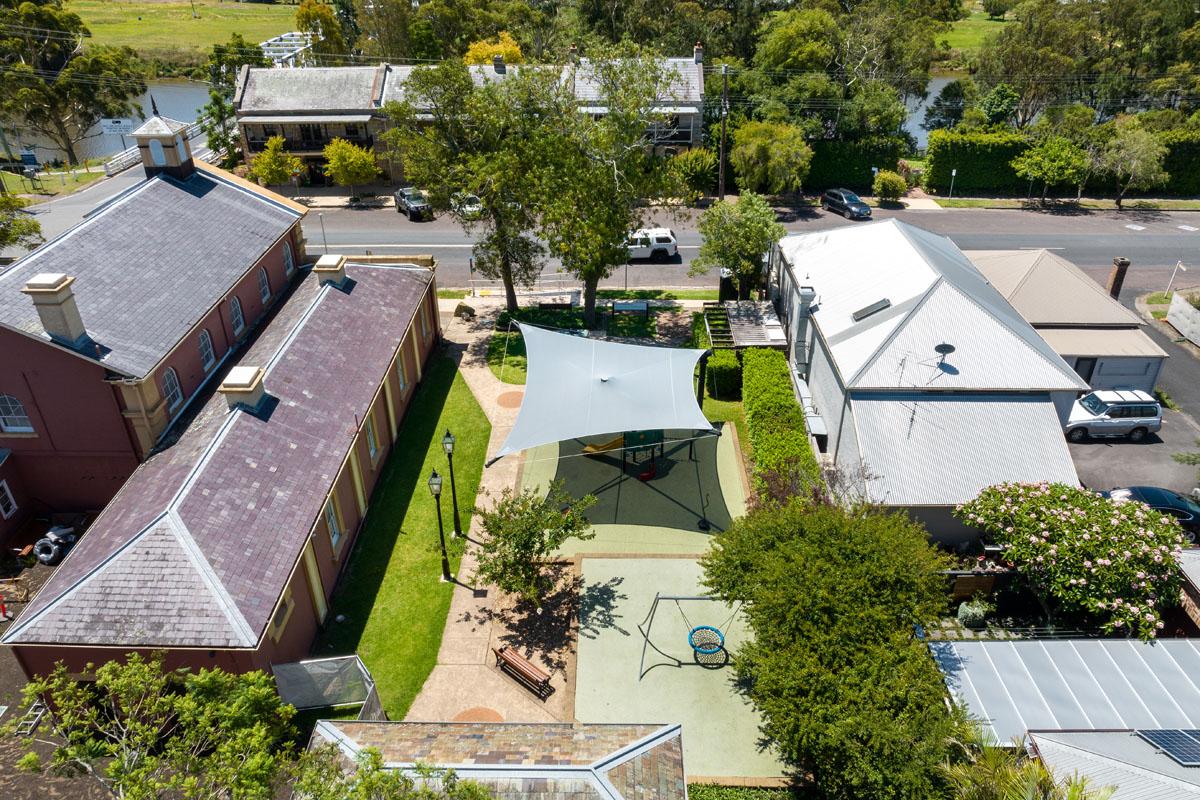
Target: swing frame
646	625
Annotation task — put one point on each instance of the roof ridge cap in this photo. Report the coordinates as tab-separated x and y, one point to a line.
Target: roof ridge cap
901	324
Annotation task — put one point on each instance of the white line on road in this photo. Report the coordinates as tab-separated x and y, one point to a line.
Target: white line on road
1041	248
1188	228
1136	227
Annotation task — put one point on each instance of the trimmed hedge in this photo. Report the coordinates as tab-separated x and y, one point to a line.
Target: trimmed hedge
778	436
1182	162
848	164
723	376
983	161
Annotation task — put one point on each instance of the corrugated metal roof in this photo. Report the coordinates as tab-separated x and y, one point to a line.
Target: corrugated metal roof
1087	684
926	448
1189	561
286	119
1121	759
854	267
1049	290
1101	342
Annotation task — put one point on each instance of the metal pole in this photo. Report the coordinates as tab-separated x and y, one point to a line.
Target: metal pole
953	174
442	538
1178	266
454	496
321	217
724	118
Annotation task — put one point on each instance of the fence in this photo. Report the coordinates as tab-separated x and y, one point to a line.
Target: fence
557	284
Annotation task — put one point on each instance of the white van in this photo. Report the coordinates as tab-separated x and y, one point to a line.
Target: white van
656	244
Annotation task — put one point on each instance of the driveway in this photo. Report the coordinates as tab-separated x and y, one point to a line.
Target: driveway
1107	463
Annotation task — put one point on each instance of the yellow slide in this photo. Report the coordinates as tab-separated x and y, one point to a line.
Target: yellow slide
604	447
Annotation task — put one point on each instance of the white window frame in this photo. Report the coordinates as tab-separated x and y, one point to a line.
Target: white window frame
264	285
287	604
7	495
208	356
157	155
237	317
333	523
12	411
372	440
289	259
400	372
171	388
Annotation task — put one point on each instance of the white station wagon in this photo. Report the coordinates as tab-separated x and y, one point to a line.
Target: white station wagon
1131	413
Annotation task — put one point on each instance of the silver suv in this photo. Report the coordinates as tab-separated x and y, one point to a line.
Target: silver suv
1131	413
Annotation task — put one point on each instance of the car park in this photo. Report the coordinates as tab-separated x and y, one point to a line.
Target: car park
1169	503
655	244
846	203
1106	414
412	201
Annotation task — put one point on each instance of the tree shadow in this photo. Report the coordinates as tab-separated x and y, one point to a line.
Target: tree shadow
546	631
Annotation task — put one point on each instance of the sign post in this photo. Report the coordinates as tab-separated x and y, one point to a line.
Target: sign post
118	126
953	174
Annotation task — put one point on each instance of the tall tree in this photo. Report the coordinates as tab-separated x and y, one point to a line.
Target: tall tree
486	50
770	156
349	165
1055	160
321	21
604	164
384	27
736	234
218	123
1133	159
52	84
275	166
17	227
226	60
142	731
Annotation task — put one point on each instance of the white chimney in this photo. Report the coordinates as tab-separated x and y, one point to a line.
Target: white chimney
54	300
498	64
331	268
243	386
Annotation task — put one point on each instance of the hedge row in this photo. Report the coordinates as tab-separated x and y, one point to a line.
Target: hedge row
983	161
778	436
723	378
848	164
1182	161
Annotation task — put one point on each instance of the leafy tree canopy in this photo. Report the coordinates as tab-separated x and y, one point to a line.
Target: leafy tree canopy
17	227
736	234
347	164
321	20
504	45
275	165
1053	160
770	156
226	60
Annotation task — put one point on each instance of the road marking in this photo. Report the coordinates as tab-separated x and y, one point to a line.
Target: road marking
1188	228
1136	227
1041	248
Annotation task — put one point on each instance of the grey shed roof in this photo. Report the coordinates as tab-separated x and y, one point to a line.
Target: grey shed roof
151	264
198	545
1120	759
1013	687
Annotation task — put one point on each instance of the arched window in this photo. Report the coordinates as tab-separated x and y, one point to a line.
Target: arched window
13	418
156	153
264	285
171	389
289	260
207	356
236	317
181	148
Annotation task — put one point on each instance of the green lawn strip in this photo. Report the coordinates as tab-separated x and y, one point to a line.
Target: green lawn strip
1159	298
1158	314
730	411
657	294
394	605
967	35
506	356
709	791
169	32
50	185
452	294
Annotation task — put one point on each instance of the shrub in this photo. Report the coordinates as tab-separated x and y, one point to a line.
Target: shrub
973	613
696	169
1183	161
783	459
723	377
889	186
848	164
997	8
1115	561
983	160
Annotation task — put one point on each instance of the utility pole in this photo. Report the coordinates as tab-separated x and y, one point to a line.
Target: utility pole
724	120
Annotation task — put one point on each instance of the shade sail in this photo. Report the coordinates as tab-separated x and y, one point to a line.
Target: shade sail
576	386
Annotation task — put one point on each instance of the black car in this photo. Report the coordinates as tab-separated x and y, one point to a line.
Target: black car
846	203
1171	504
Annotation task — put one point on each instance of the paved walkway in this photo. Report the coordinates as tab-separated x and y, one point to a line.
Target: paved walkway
465	684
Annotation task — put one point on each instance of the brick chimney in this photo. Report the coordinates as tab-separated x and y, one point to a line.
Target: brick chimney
1116	278
498	64
243	387
698	53
54	300
331	268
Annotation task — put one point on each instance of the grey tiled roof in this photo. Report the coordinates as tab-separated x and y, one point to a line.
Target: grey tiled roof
234	499
151	264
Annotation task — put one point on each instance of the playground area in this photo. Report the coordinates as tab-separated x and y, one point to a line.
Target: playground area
638	667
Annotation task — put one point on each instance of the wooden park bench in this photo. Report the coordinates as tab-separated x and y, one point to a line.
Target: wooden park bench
521	668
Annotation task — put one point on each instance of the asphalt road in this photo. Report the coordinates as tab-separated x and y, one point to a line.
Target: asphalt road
1152	240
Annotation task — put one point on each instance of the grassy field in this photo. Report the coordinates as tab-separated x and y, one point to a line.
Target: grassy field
168	32
395	607
50	185
967	35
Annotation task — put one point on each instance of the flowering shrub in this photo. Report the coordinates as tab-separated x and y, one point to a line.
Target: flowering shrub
1115	561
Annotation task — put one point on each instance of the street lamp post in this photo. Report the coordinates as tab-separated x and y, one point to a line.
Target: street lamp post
448	446
435	489
321	217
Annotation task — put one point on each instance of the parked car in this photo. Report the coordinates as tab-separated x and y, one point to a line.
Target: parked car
467	206
656	244
846	203
1102	414
1171	504
413	202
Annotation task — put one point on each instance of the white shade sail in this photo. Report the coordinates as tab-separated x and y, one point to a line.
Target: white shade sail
577	387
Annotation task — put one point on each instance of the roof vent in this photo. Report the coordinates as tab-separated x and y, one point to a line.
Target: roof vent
331	269
874	308
243	386
54	300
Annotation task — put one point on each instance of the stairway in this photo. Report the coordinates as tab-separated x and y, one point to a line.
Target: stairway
716	322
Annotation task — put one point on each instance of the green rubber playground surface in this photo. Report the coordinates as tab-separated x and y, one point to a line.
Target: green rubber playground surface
624	676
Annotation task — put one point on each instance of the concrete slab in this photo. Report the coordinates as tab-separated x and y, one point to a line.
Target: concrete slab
1108	463
720	727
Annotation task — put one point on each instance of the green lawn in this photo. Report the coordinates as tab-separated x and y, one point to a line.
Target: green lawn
452	294
50	185
168	32
390	593
1159	298
506	356
657	294
967	35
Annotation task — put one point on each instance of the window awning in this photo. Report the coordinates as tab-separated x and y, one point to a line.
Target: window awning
578	387
297	119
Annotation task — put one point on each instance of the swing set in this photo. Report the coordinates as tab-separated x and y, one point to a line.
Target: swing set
706	641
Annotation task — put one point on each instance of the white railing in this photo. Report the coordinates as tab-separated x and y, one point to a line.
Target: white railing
130	156
556	284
